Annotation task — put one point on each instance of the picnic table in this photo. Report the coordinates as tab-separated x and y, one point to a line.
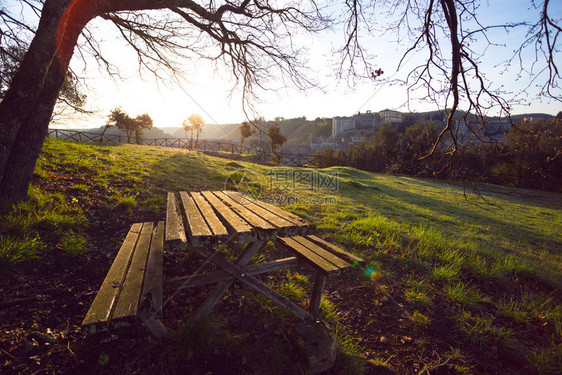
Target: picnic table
199	222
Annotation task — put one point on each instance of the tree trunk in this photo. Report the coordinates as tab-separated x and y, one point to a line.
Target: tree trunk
28	105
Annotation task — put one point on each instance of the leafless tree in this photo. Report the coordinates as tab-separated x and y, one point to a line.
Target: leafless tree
253	38
257	40
450	71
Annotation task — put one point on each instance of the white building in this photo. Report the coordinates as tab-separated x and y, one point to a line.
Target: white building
390	117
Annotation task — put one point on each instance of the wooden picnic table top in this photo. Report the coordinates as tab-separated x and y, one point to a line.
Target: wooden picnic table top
205	218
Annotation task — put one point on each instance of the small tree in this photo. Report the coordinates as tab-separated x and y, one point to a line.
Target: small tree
276	139
246	131
124	122
197	123
188	128
142	122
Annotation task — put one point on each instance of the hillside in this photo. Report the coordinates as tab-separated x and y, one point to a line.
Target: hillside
298	130
210	131
147	133
458	282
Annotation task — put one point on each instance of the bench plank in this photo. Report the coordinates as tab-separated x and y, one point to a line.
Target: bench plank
212	220
128	302
327	259
175	231
198	230
103	304
152	288
310	257
332	258
231	220
285	228
263	226
297	221
350	258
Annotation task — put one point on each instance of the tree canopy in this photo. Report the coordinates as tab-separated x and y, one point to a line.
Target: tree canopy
276	139
129	125
246	131
194	123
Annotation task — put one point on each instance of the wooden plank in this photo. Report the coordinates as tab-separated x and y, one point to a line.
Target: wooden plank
175	231
264	228
317	291
240	274
285	228
103	304
128	302
199	232
209	215
219	291
183	282
299	222
350	258
152	288
310	257
332	258
233	222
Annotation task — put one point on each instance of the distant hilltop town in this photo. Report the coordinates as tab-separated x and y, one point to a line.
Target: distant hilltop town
363	123
361	126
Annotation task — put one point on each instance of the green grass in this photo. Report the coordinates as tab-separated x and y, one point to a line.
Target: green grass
465	295
14	250
421	319
492	265
45	222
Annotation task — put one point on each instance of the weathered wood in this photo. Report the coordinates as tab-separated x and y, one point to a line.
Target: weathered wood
199	232
183	282
310	257
233	222
103	304
214	223
350	258
219	291
240	274
152	289
317	291
303	225
175	231
332	258
284	227
133	286
265	229
128	302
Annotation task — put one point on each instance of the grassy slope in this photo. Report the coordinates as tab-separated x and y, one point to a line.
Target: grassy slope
490	266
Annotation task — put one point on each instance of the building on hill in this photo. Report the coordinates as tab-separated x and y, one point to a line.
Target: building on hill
342	125
391	117
362	124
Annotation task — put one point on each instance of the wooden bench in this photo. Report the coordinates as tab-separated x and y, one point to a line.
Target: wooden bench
325	258
132	289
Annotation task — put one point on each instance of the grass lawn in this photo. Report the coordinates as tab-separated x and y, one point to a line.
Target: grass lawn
458	280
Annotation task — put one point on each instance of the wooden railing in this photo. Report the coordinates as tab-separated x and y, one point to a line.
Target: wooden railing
296	160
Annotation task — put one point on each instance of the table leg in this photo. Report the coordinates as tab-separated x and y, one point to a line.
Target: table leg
318	290
219	291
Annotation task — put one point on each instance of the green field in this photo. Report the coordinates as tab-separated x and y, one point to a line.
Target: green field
473	277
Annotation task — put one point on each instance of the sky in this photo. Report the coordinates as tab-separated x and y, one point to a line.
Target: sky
209	93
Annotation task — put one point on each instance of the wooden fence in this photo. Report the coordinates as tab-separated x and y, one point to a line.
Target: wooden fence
296	160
